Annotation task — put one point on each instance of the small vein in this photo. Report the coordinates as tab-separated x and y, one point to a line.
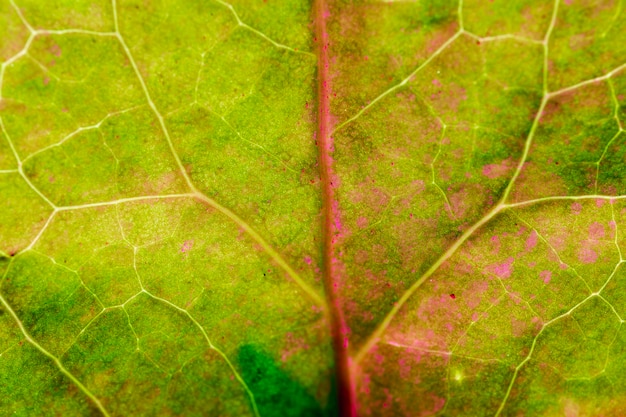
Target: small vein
73	31
202	330
616	231
313	294
379	330
79	130
402	83
561	198
124	200
258	32
532	349
56	361
506	36
432	171
200	196
587	82
545	241
256	145
21	16
151	103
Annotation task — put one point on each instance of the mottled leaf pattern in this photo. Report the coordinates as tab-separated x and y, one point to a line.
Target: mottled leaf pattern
372	208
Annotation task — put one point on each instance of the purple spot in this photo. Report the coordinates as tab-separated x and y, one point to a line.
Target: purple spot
596	231
531	242
546	276
493	171
187	245
504	269
361	222
587	256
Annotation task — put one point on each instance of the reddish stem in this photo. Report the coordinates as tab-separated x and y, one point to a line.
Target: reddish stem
331	226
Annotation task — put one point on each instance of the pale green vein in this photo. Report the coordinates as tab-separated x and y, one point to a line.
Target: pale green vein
54	359
151	103
313	294
21	170
212	346
441	352
616	231
78	131
563	198
553	250
532	349
546	324
256	145
402	83
199	195
125	200
197	324
258	32
504	37
587	82
380	329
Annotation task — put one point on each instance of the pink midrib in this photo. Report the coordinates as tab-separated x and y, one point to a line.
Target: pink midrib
332	222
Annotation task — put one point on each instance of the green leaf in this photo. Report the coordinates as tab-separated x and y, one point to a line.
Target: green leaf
312	208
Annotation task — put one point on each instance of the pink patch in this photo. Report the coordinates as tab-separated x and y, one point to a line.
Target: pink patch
504	270
308	260
361	222
600	202
492	171
495	241
596	231
187	245
576	207
546	276
531	242
436	83
587	256
475	316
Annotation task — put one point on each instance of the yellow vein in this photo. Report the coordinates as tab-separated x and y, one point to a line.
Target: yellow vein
380	329
277	258
212	346
588	82
56	361
401	83
563	197
313	294
258	32
151	103
124	200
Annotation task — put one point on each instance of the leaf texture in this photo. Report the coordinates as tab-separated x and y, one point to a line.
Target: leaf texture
372	208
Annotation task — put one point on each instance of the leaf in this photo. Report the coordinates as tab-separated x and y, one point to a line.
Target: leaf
301	209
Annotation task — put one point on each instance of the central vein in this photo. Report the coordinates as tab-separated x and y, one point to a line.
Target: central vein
331	223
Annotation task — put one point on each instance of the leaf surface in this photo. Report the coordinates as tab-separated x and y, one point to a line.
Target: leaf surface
303	209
